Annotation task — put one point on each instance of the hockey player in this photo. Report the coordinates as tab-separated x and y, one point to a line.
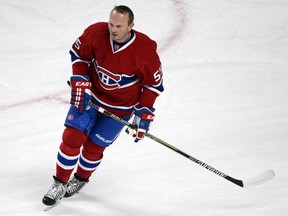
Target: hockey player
114	67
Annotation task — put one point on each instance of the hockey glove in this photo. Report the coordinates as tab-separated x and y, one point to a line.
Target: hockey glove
142	118
80	92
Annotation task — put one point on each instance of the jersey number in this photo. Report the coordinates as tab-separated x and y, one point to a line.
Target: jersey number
77	44
158	75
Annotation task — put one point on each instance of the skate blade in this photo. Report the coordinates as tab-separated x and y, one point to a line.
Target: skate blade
47	208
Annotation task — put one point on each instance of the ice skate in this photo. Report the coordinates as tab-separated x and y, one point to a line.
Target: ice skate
55	194
75	185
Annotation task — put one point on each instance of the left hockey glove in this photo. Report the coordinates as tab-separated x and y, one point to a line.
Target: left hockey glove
80	92
142	118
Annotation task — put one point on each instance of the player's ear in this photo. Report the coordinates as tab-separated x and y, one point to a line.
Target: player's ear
131	26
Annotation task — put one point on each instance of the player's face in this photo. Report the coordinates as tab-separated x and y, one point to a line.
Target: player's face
118	27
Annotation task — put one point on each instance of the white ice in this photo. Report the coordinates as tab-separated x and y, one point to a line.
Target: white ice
225	102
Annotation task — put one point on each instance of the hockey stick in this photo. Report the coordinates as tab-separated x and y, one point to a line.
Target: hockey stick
263	177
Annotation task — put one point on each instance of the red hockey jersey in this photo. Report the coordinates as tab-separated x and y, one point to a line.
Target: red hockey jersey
123	76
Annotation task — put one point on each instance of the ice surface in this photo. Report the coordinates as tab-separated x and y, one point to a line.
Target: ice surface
225	102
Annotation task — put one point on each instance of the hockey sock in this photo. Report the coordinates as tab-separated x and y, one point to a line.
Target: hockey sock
68	153
90	159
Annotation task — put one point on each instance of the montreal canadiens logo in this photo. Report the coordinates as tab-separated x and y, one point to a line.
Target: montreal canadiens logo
108	80
70	117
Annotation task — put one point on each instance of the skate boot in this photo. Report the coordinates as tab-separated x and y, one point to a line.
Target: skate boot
75	185
55	193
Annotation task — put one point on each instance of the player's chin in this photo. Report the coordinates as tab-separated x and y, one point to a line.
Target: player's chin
116	39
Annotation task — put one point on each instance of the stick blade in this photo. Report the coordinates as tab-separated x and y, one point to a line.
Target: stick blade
264	177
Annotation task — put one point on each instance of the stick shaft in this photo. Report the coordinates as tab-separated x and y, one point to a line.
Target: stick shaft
156	139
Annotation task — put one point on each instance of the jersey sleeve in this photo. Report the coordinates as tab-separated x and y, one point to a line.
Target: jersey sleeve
82	53
151	76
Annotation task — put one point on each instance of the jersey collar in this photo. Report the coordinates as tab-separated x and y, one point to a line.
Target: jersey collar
117	47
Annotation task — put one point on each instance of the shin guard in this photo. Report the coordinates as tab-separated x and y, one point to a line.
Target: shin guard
68	153
90	159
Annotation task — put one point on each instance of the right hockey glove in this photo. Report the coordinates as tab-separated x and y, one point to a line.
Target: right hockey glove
142	118
80	92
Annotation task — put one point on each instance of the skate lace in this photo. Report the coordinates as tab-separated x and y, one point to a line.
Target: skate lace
74	185
55	191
